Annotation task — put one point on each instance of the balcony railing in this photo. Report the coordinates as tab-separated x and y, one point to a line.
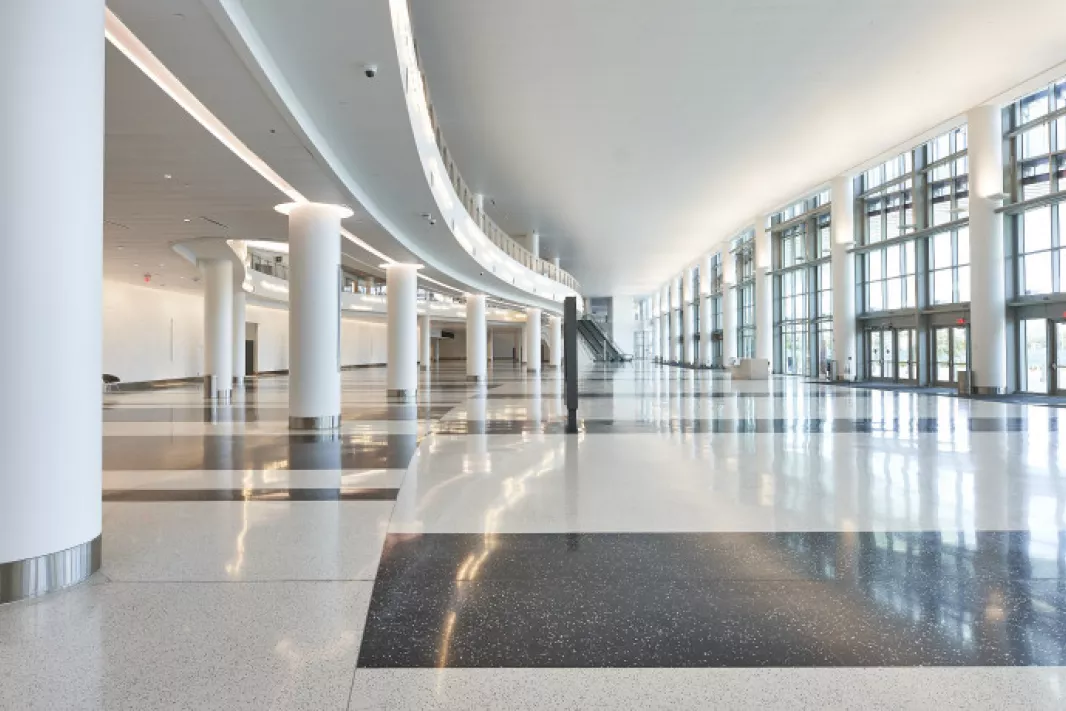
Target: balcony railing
469	200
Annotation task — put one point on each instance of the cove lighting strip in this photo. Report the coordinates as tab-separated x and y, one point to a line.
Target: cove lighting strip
126	42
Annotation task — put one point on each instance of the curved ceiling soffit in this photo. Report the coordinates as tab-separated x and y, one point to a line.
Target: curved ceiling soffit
235	24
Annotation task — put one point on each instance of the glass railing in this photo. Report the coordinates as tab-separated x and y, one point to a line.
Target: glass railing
470	201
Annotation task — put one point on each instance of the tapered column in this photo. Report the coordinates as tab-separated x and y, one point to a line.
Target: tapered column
988	302
706	318
476	346
218	328
764	293
51	182
729	309
842	220
240	367
401	288
425	341
314	314
555	341
533	340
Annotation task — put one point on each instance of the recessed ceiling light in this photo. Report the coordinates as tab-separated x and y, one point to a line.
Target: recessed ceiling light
167	176
161	264
120	248
187	219
136	265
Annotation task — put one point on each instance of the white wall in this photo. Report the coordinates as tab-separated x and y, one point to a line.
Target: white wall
155	334
151	333
623	323
453	348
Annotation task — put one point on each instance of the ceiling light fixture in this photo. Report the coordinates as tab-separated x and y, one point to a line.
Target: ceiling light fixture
167	176
187	219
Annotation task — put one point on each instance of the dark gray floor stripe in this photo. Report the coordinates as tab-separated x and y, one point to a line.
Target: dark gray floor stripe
256	451
718	600
316	494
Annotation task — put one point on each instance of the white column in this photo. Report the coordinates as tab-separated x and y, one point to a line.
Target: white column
672	305
687	351
533	243
706	320
218	327
555	261
51	180
729	308
555	341
425	340
988	300
842	217
533	340
314	314
401	288
664	326
240	367
490	348
764	293
523	345
476	361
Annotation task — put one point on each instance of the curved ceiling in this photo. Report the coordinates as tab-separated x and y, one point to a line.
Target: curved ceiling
635	135
194	41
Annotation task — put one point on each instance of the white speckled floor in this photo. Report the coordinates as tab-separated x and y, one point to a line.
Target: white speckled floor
527	569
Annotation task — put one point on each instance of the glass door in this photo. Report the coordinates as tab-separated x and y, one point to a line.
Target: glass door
1060	358
952	347
1035	356
873	350
906	366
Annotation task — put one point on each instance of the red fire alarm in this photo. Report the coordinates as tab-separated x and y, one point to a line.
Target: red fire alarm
147	278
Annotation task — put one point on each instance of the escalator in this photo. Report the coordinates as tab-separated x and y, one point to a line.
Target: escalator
599	344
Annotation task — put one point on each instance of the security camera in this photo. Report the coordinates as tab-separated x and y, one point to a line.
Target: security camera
371	71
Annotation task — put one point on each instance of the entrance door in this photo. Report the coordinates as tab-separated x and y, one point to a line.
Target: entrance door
892	354
1035	355
1060	357
952	347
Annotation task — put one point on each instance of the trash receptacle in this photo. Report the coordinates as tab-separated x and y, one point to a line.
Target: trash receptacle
964	382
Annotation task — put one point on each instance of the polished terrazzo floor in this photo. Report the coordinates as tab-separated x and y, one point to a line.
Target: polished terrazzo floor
701	543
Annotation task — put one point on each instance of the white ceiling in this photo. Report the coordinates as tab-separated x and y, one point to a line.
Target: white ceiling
149	135
635	135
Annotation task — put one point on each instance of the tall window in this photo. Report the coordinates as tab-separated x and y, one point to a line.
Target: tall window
1038	146
1038	157
949	267
802	245
743	251
890	283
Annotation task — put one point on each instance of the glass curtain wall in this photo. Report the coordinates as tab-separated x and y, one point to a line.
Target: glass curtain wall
1036	133
743	251
714	311
802	282
914	262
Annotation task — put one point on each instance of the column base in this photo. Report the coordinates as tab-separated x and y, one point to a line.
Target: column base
238	381
22	579
215	389
401	395
475	378
989	390
532	371
322	422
